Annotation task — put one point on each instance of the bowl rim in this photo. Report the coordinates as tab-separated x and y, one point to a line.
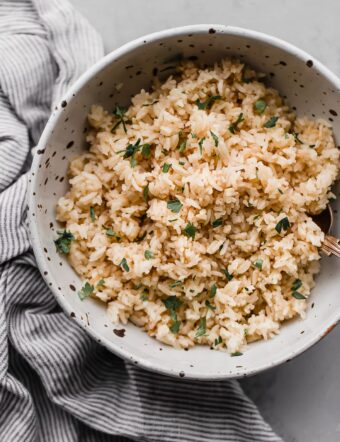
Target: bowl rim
68	96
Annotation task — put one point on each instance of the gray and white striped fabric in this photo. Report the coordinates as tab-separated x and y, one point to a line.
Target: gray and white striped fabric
56	383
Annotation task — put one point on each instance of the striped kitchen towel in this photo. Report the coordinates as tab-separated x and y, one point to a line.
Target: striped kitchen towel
56	383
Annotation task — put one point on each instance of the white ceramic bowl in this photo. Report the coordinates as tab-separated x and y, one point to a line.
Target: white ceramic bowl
310	88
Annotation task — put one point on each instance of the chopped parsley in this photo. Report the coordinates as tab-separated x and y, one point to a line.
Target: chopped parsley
173	220
101	283
296	137
146	193
298	295
144	296
217	222
146	150
92	214
86	291
233	126
295	287
182	142
201	331
236	353
280	191
190	230
210	306
148	254
63	243
296	284
193	135
283	224
176	284
213	290
181	163
271	122
228	275
119	113
124	265
174	205
172	303
258	263
166	167
112	233
260	106
200	144
208	102
215	138
218	341
131	150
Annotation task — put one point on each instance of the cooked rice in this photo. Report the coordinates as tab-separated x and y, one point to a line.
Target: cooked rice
249	181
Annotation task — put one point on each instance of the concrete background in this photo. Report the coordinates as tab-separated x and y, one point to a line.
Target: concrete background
300	399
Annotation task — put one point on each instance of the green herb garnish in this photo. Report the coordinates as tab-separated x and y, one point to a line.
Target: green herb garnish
174	205
260	106
209	306
119	112
176	284
236	353
166	167
63	243
296	284
200	144
258	263
193	135
215	138
190	230
172	303
146	193
227	274
208	102
298	295
101	283
280	191
182	142
218	341
233	126
217	222
112	233
296	137
92	214
271	122
201	331
146	150
148	254
283	224
86	291
213	290
144	296
124	265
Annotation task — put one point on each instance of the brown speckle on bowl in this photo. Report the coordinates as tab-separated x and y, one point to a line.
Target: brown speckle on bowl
40	151
120	333
212	31
309	63
69	144
181	374
72	287
332	112
63	103
283	63
72	315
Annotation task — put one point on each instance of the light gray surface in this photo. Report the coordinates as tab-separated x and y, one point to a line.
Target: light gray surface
300	399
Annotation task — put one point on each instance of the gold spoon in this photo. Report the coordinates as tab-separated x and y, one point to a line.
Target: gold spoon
324	220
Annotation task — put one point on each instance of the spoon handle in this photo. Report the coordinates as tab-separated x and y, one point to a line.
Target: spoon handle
331	246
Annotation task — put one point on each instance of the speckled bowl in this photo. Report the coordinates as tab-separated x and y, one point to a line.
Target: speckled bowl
310	88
